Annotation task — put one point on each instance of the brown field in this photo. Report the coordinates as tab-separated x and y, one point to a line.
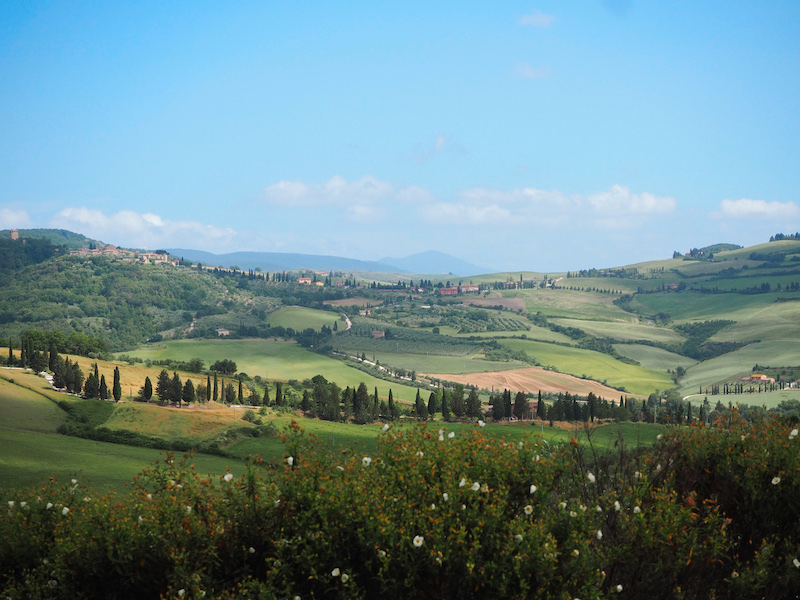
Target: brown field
507	303
193	421
363	302
531	380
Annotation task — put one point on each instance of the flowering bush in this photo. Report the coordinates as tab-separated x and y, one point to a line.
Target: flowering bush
428	515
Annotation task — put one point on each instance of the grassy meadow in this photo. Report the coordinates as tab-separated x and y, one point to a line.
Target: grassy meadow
300	318
272	360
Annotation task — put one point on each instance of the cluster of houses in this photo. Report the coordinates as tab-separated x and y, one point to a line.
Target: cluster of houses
140	256
459	289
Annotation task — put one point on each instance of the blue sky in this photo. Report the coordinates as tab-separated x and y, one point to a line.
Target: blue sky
539	136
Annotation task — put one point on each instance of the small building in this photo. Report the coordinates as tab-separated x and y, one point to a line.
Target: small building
223	332
469	289
448	291
304	280
378	334
14	234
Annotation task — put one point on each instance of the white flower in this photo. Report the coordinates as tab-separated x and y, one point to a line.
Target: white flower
382	553
619	587
536	458
433	506
87	499
340	467
533	489
796	563
65	511
335	572
188	510
345	577
575	552
793	434
582	507
636	510
445	497
228	476
251	550
598	509
562	505
149	496
140	520
451	435
386	427
181	592
420	453
74	482
366	461
277	502
528	509
617	506
518	537
734	574
475	486
742	437
418	541
599	535
590	476
463	507
482	423
463	482
637	475
441	437
776	480
658	437
573	514
10	504
290	461
23	504
49	505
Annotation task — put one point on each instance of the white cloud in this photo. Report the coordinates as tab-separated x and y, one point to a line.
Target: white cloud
746	208
526	71
537	19
11	218
140	230
615	208
619	201
336	191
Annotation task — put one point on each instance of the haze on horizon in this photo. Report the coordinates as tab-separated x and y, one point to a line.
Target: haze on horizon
544	136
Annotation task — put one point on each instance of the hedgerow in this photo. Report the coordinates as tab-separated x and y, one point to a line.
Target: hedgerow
706	513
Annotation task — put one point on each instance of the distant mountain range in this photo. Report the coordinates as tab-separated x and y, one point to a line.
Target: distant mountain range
422	263
434	262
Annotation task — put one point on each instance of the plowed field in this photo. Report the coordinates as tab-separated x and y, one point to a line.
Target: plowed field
531	379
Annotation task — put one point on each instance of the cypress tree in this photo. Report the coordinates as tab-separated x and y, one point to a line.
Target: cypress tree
240	395
103	391
117	386
266	394
473	404
393	412
208	389
216	389
176	389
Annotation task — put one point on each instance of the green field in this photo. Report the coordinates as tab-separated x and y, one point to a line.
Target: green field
570	304
654	358
739	363
274	360
32	450
300	318
422	363
765	399
601	367
624	332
